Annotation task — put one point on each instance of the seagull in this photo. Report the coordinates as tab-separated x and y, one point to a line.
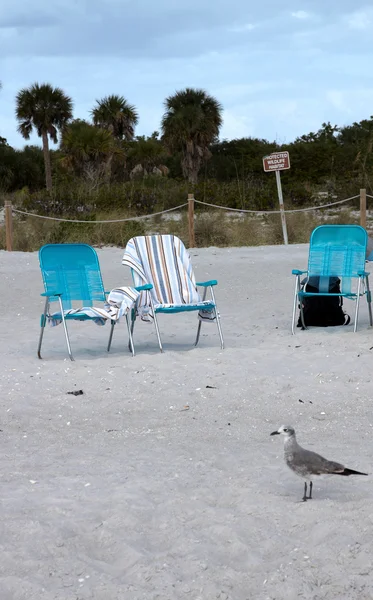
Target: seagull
306	463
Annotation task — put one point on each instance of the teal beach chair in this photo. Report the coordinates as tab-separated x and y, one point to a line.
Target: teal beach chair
336	251
162	263
71	272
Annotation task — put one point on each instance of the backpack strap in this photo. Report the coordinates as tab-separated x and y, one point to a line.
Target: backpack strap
324	284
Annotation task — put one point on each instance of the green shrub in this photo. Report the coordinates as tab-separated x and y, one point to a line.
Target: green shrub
30	234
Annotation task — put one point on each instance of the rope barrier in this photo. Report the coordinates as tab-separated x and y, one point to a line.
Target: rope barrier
239	210
272	212
23	212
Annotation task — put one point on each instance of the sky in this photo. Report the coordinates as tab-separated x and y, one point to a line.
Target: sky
279	68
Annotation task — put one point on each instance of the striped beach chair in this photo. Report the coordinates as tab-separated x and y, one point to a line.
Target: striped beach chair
163	263
335	251
71	274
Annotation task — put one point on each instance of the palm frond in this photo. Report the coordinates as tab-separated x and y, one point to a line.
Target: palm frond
191	114
190	124
117	115
44	108
25	129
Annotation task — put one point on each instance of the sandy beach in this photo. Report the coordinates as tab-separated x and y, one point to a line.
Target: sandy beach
124	493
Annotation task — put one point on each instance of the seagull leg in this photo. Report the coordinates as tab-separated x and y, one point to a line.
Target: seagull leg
305	492
310	496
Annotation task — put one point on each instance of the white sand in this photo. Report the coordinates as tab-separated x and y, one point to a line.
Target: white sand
119	494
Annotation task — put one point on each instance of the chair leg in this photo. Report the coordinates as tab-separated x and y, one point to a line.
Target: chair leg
65	329
133	319
296	300
198	332
304	326
111	335
199	321
357	304
369	299
217	319
43	322
156	325
130	338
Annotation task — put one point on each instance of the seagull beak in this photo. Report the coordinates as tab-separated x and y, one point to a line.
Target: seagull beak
275	433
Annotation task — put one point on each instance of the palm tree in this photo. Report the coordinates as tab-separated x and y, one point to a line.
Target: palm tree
89	150
46	109
148	152
190	124
117	115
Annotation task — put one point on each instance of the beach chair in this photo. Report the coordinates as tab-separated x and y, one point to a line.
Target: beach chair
336	251
162	262
71	272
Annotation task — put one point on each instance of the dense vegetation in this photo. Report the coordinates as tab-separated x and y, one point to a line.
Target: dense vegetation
102	168
94	156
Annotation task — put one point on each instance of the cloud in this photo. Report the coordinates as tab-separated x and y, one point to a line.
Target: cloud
300	14
360	20
118	28
30	21
243	28
239	91
348	103
236	125
280	120
277	73
337	100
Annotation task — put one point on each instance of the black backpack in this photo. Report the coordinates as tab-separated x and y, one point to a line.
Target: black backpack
322	311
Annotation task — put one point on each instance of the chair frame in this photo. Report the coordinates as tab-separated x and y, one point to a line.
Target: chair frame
57	295
65	318
172	309
205	284
363	280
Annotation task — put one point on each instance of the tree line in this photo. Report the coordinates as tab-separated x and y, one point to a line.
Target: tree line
104	150
90	149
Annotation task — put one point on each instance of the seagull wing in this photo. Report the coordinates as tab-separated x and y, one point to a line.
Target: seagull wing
316	464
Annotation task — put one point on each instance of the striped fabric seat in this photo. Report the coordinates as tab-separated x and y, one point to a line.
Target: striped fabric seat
163	262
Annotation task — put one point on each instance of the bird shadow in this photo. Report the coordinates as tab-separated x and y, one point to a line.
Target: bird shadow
338	494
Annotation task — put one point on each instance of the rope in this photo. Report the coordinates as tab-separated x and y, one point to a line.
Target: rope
271	212
239	210
23	212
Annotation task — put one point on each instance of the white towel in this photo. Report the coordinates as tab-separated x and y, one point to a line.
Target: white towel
119	302
163	261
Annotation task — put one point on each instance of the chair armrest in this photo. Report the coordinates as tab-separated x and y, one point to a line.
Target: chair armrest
298	272
143	288
207	283
49	294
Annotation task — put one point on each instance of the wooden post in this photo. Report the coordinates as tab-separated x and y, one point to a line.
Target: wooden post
8	225
363	208
192	239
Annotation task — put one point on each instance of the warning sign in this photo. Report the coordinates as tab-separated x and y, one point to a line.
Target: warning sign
277	161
